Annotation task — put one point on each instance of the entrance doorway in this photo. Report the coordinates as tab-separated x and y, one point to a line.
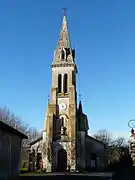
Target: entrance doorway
93	162
62	160
39	157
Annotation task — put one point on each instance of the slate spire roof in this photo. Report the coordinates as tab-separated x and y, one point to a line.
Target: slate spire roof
64	40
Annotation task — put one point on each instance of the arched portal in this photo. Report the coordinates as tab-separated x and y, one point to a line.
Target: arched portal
62	160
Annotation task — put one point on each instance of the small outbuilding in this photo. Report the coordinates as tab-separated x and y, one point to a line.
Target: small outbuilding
10	149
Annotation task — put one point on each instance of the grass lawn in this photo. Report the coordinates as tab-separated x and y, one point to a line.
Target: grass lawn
31	173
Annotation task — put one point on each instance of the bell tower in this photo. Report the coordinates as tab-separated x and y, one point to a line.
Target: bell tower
60	121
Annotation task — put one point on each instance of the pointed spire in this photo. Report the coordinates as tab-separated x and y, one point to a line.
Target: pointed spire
63	52
64	41
80	107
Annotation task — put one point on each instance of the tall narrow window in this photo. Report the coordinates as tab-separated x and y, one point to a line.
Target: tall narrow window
62	122
73	78
62	55
65	80
59	83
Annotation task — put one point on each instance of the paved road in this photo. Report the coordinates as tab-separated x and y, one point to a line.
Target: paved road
90	176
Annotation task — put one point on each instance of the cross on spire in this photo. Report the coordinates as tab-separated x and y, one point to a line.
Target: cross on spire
64	11
64	40
80	97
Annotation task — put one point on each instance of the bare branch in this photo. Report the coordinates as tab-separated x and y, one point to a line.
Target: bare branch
104	137
9	118
116	147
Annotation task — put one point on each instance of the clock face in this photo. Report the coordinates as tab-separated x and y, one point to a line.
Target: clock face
63	106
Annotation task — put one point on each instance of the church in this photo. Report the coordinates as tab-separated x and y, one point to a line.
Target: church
65	143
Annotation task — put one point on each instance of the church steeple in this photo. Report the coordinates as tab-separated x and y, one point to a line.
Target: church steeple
64	40
63	52
62	107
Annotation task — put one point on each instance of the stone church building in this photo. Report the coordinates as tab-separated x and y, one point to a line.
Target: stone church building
65	143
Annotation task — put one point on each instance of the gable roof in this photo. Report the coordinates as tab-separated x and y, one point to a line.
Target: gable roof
95	140
37	140
6	127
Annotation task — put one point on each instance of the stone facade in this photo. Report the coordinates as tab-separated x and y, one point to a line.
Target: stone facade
65	131
62	105
10	148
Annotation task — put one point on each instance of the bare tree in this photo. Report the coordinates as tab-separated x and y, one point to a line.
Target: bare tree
9	118
116	147
47	149
120	142
119	147
104	136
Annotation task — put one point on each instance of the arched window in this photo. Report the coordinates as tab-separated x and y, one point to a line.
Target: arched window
65	80
62	54
63	126
73	78
59	83
62	122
